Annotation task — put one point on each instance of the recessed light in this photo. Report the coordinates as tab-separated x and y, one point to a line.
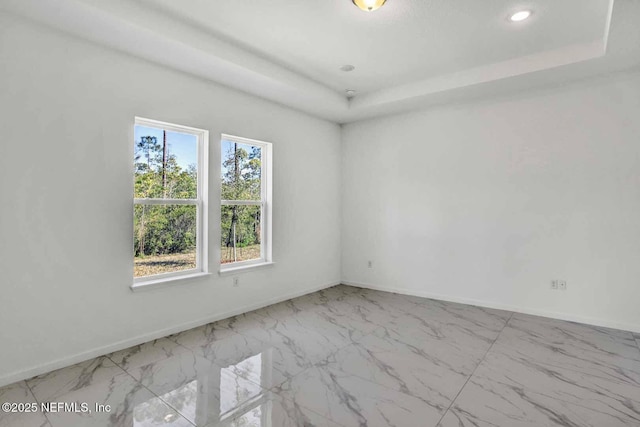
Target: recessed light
520	16
347	68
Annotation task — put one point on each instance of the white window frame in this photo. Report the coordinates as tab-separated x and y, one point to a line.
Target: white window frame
265	203
201	203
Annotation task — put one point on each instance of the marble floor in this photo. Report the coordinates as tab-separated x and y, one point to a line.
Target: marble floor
347	357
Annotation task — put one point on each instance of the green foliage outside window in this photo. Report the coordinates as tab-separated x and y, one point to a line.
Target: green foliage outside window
163	229
171	229
241	224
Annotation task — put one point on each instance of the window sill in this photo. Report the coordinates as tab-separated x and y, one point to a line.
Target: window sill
148	285
245	268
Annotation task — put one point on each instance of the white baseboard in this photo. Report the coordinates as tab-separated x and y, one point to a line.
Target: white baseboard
121	345
489	304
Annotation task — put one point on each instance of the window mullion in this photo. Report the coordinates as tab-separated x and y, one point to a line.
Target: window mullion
165	201
241	202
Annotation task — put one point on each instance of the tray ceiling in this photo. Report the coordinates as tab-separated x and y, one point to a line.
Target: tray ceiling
409	54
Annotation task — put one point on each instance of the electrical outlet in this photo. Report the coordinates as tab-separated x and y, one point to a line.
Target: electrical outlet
559	285
236	282
370	264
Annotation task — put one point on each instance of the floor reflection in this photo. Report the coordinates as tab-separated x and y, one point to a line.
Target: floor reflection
233	393
153	412
207	394
257	415
183	399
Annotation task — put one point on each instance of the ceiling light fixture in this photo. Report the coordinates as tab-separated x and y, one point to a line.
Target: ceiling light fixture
347	68
350	93
369	5
520	16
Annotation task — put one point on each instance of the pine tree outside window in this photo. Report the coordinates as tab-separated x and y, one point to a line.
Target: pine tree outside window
170	193
245	216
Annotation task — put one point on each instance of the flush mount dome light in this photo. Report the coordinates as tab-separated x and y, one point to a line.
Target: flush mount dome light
369	5
520	16
347	68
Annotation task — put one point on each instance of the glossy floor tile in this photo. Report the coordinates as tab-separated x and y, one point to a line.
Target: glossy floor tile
201	391
608	354
19	393
353	401
544	372
270	410
347	356
432	371
98	392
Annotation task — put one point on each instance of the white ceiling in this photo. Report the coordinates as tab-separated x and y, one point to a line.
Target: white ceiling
409	54
404	41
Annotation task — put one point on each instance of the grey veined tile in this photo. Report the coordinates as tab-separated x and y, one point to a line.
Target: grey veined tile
477	318
234	349
100	382
19	393
32	419
54	384
307	338
454	334
322	299
637	338
387	301
201	390
144	354
604	353
227	349
352	401
289	308
124	402
584	337
316	301
519	391
538	412
482	323
207	334
340	325
270	410
359	309
432	371
471	328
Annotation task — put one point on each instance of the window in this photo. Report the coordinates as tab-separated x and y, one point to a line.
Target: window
246	202
169	221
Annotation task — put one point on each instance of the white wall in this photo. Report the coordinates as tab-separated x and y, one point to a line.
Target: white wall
487	202
66	127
